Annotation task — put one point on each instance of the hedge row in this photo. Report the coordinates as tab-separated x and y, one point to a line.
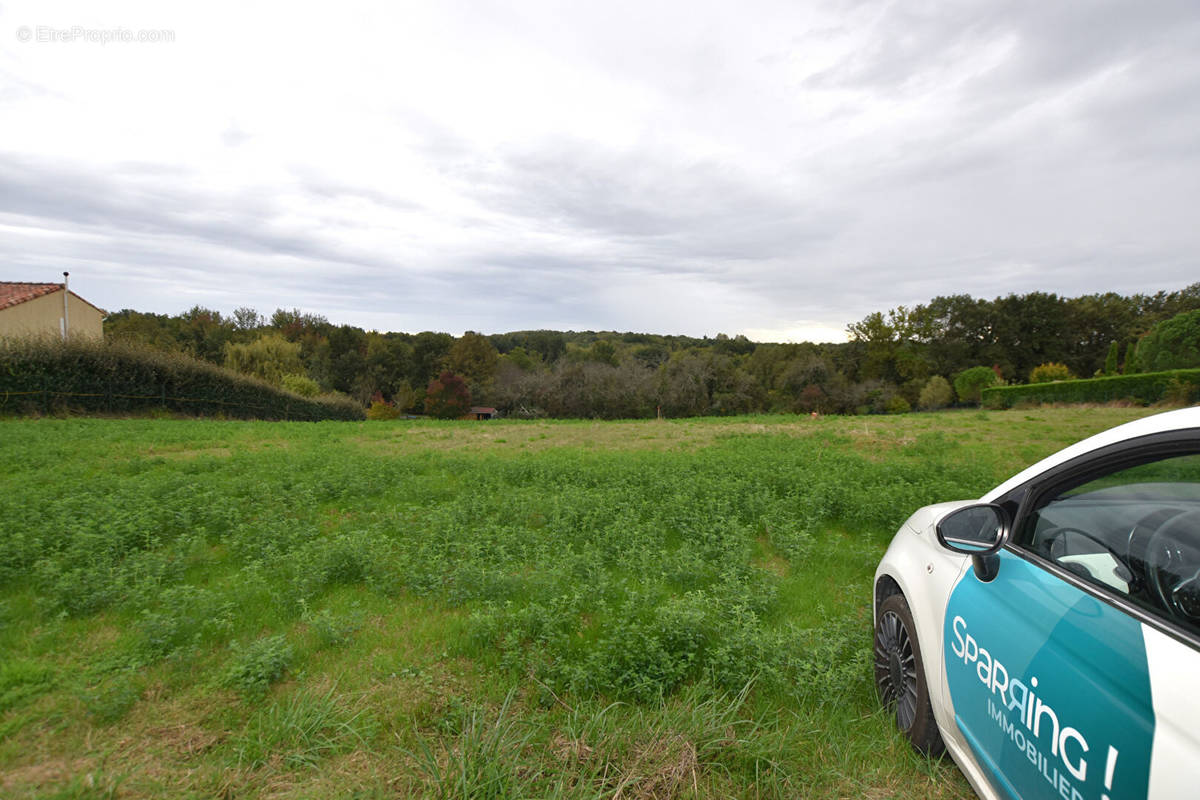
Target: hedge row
1181	385
46	375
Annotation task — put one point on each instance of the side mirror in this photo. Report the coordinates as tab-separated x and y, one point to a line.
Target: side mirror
978	531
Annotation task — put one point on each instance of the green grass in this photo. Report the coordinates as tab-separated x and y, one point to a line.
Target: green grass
500	609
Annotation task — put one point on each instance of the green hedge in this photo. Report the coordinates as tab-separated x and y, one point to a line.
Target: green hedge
47	375
1146	387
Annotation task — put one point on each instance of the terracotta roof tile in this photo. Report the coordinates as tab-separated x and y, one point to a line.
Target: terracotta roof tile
12	293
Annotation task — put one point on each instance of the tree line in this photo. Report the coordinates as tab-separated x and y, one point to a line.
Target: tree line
896	360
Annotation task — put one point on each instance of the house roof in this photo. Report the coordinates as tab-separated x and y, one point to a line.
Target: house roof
481	410
13	293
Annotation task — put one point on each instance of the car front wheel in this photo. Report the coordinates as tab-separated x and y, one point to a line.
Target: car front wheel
900	675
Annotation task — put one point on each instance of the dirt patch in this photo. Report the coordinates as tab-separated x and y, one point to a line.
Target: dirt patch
47	773
188	454
770	560
185	739
571	751
661	770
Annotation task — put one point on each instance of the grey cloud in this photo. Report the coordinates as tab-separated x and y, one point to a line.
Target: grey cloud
1064	41
1152	112
129	202
666	208
139	227
322	186
154	200
1029	112
1055	42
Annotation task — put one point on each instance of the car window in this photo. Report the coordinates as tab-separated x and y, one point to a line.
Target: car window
1134	532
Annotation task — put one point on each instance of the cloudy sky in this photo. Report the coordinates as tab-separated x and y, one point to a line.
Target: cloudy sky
774	169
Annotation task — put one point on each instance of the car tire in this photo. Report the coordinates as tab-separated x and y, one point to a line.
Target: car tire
900	675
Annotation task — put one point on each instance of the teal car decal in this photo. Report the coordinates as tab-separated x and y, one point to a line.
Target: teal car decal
1050	686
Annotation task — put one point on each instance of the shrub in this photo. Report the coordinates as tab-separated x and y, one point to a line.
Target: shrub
257	665
406	398
301	385
1181	392
936	394
1145	387
332	630
77	590
1172	344
46	375
183	617
381	409
1051	371
896	404
872	397
970	383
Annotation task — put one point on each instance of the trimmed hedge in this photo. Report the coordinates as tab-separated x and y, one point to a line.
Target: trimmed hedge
1145	387
46	375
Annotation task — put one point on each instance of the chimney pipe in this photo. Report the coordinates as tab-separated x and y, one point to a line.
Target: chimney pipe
66	294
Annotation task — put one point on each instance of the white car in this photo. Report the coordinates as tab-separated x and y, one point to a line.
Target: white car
1047	635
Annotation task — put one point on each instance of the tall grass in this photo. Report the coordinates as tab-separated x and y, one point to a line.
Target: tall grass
301	730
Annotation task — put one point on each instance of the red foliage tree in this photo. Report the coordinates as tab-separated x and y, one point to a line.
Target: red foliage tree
447	397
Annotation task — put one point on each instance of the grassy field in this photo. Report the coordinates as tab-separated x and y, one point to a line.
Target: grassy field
489	610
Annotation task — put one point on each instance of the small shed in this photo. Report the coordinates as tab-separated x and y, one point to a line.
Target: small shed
39	309
481	412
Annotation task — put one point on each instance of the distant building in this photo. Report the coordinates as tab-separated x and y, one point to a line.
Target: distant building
481	412
37	309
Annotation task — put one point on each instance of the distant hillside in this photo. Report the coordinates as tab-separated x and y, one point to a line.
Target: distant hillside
889	365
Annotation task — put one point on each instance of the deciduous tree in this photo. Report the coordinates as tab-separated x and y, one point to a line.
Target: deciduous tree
447	397
269	357
970	383
1171	344
474	358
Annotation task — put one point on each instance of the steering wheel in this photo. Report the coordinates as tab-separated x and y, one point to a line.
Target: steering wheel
1053	536
1173	566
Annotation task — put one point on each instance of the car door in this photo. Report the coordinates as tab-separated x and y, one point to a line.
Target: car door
1070	671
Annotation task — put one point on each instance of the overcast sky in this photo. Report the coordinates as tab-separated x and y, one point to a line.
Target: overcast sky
774	169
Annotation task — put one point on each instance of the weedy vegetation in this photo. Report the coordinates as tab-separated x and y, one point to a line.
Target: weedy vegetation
486	610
